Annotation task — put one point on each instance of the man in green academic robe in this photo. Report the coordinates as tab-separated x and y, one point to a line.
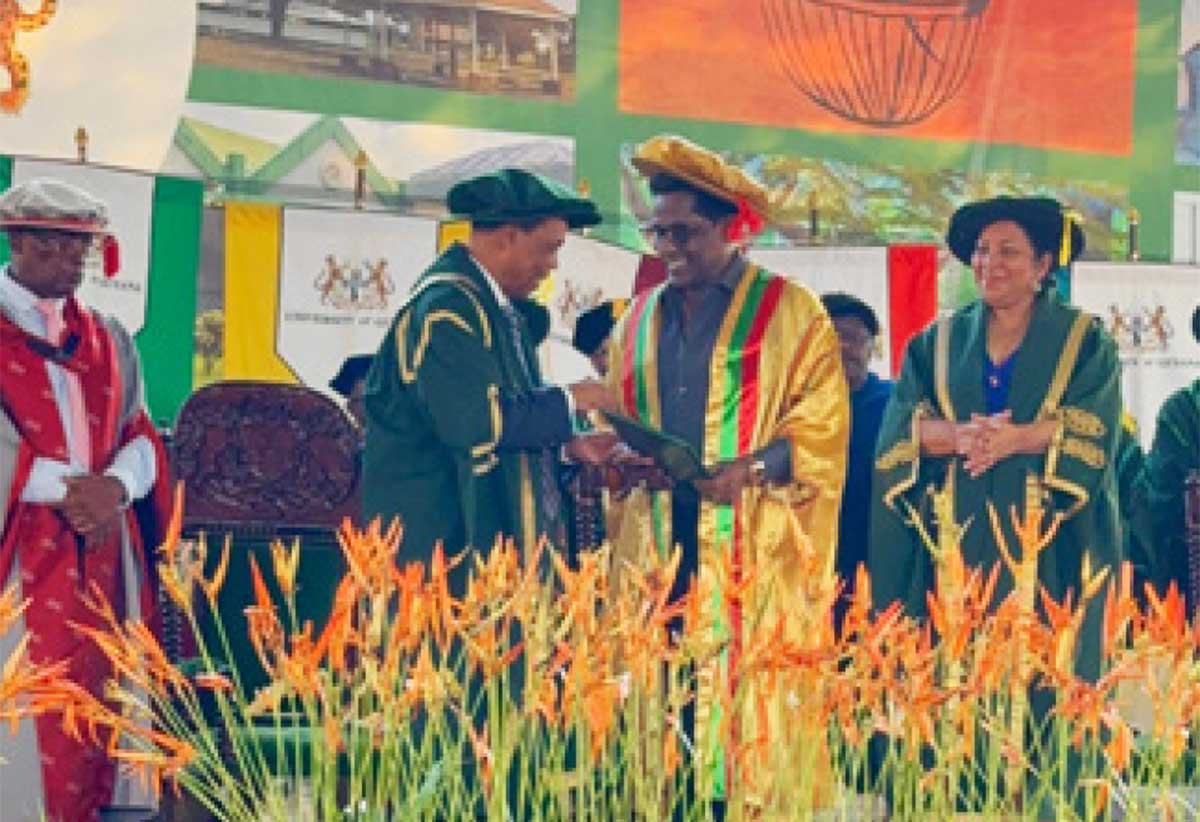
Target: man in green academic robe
463	437
1174	454
1014	385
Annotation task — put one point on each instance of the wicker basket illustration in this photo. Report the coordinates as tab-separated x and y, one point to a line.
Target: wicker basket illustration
879	62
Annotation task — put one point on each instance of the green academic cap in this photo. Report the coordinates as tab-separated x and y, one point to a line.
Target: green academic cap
512	195
1049	227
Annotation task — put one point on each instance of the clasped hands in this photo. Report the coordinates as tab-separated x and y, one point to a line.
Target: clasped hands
986	440
92	505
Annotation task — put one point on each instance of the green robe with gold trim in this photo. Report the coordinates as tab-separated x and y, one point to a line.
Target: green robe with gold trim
1077	469
434	418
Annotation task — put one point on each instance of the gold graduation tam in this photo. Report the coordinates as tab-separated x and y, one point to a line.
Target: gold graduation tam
706	170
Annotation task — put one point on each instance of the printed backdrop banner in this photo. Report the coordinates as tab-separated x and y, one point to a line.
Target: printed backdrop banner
129	197
862	272
1025	72
589	272
118	68
342	277
1150	310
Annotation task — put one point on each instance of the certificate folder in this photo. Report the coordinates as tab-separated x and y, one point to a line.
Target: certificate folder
672	454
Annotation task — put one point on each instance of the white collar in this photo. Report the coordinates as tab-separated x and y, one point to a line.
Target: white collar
18	297
500	296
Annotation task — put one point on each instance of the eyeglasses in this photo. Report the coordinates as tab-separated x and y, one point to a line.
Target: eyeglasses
55	240
680	233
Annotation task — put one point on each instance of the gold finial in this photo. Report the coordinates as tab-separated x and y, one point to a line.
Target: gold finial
814	217
360	178
584	187
81	144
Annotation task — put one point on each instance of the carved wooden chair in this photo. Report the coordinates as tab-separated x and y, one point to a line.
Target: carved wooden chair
263	461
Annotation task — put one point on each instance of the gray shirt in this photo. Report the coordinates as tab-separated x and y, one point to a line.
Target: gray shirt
685	350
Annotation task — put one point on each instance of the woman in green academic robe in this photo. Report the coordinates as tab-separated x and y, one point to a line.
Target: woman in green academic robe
1014	384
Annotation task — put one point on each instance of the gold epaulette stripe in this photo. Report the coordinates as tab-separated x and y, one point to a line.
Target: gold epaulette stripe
902	452
1066	365
1083	422
941	369
487	465
409	368
1086	452
431	318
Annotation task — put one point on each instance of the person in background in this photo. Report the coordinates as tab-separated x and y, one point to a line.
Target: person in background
351	383
592	330
463	435
857	331
84	479
1174	454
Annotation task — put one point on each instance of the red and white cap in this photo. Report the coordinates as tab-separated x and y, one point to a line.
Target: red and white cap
46	204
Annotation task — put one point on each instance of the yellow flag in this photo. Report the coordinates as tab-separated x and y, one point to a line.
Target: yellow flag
252	293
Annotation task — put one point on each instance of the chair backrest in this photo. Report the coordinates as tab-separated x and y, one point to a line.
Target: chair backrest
261	461
265	457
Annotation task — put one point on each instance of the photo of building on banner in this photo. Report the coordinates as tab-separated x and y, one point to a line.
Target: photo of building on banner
510	47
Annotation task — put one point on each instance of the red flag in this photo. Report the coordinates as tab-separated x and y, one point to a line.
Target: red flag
912	294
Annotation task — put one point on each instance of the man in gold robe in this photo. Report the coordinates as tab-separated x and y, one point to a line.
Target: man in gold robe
744	366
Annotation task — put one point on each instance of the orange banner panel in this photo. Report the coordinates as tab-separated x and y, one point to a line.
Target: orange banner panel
1023	72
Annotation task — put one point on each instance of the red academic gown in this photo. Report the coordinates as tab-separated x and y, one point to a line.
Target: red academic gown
78	777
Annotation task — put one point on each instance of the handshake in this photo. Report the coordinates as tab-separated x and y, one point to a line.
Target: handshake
603	448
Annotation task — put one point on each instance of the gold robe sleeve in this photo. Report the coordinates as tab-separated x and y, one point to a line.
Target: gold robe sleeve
807	403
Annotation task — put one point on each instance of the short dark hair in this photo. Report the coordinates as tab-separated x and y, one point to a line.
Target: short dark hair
708	206
525	223
841	304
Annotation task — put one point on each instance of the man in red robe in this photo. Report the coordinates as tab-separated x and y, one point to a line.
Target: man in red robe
78	458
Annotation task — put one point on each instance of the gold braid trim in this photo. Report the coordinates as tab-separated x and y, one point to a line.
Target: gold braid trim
900	453
1086	452
487	449
913	447
487	465
409	365
441	314
941	369
1129	423
1050	410
528	508
1082	422
1066	365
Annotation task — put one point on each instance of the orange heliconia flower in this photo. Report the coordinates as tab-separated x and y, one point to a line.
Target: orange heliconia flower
213	681
212	586
285	564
